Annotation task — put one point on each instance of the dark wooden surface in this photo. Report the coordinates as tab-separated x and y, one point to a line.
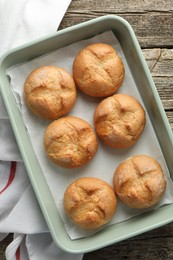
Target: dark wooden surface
152	22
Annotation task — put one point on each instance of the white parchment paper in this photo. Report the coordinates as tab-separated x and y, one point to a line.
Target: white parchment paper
106	160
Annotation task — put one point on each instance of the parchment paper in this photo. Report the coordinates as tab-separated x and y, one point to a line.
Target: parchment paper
106	160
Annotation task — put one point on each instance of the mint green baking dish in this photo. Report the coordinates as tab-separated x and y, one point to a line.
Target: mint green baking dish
125	35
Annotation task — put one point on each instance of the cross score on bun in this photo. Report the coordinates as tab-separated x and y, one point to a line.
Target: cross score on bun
139	181
98	71
90	202
119	120
50	92
70	142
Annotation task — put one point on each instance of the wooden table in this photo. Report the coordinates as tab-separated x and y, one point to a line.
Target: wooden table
152	22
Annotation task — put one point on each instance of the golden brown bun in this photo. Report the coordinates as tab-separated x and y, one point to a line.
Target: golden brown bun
90	202
139	182
98	71
119	120
70	142
50	92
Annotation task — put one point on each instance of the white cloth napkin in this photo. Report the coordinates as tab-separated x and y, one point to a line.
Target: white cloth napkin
22	21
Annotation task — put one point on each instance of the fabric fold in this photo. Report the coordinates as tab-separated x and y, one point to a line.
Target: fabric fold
36	247
22	21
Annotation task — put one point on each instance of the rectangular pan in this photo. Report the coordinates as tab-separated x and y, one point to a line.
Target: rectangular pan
153	105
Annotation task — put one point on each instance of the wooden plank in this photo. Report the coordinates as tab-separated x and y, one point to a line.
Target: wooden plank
151	22
170	118
121	6
160	63
151	29
156	244
147	249
164	87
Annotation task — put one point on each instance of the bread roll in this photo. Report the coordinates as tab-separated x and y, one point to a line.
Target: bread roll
70	142
90	202
119	120
50	92
139	182
98	71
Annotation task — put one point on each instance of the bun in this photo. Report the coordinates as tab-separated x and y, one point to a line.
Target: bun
90	202
119	120
70	142
139	182
49	92
98	71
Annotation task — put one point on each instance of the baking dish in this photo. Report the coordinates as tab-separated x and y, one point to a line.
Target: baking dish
150	97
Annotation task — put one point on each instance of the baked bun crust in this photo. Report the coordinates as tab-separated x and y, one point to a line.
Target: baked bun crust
98	71
70	142
50	92
90	202
139	182
119	120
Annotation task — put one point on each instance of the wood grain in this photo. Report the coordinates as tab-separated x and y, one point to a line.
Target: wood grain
160	63
152	22
154	245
